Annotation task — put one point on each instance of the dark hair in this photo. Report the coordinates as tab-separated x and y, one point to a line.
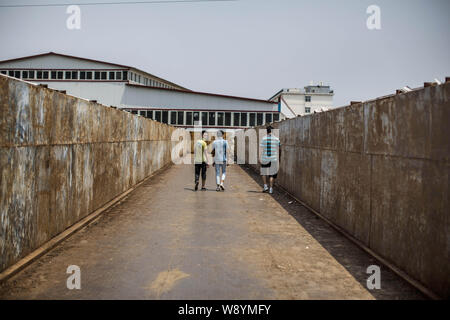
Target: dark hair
269	129
220	133
203	132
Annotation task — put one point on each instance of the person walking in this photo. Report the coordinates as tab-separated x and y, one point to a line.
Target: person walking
271	153
201	160
220	148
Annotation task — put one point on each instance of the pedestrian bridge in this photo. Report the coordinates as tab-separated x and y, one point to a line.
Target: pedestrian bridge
166	241
94	187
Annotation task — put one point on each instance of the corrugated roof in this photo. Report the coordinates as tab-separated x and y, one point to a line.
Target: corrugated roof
91	60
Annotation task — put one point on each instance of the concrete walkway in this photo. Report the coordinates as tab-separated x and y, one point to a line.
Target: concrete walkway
165	241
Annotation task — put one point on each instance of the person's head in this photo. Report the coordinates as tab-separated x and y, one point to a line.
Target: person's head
269	129
219	133
204	135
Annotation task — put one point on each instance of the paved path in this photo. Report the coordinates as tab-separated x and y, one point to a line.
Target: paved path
165	241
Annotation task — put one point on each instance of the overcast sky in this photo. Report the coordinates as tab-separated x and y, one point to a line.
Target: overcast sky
248	48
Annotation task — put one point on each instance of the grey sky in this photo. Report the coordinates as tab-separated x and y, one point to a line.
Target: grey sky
249	48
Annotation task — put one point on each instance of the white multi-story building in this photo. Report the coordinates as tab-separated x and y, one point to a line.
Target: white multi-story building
140	92
294	102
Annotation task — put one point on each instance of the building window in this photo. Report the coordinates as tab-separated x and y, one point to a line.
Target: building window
307	109
212	118
60	75
139	78
17	74
268	117
236	118
53	75
173	117
220	116
82	75
252	119
25	74
165	117
228	119
196	117
244	119
189	118
112	75
45	74
307	98
68	75
118	75
39	74
97	75
125	76
104	74
158	116
134	111
180	116
204	118
143	113
276	117
31	74
75	75
259	119
89	75
150	114
3	71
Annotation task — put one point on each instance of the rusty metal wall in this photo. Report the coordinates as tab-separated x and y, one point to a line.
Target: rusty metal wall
62	158
380	170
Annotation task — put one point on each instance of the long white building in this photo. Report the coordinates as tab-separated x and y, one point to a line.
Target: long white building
298	102
140	92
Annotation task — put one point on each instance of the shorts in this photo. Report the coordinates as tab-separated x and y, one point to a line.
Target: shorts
200	167
270	169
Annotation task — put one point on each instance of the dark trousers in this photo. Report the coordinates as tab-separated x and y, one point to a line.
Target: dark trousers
200	167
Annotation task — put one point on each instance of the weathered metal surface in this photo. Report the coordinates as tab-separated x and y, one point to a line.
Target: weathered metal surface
61	158
380	170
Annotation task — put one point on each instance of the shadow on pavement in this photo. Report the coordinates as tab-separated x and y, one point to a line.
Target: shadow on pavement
349	255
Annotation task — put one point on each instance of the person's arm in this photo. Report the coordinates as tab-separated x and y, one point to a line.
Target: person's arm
279	150
206	155
227	150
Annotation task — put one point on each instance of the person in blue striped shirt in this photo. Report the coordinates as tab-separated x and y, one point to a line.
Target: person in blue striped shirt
271	153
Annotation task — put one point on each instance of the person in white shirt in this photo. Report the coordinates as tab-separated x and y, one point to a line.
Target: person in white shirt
220	148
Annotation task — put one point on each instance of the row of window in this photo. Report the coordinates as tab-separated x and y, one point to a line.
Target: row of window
210	118
83	75
66	74
147	81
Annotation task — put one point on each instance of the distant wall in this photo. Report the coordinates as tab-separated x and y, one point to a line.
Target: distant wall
61	158
380	170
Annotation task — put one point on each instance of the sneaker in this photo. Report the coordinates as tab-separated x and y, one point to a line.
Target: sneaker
196	186
222	187
265	189
271	190
218	188
203	189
